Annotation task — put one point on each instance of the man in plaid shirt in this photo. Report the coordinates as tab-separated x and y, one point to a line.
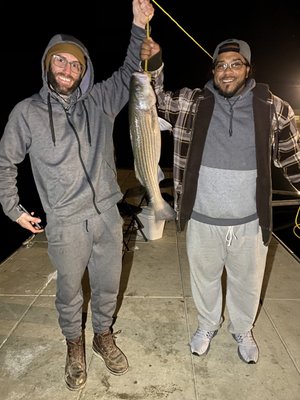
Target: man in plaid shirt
225	137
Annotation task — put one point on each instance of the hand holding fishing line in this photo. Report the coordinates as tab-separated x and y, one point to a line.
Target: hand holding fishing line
148	49
141	18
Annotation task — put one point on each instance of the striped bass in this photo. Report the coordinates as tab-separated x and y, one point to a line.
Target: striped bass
145	138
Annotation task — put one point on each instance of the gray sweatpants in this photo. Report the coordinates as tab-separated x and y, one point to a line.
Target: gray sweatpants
241	251
95	243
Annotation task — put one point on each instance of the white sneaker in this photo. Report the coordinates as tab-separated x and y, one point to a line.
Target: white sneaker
247	348
200	342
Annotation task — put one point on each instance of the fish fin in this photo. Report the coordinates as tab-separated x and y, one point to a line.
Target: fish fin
160	174
164	125
166	213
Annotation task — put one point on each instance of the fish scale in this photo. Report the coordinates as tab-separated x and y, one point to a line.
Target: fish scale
145	138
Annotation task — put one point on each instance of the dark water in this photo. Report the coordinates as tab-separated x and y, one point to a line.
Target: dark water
283	229
285	217
12	235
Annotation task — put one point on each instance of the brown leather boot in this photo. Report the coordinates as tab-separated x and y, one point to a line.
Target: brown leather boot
75	370
104	346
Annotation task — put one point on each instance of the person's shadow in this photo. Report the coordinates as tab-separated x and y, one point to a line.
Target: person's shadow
86	290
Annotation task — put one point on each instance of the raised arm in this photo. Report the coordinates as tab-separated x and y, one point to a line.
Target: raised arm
142	12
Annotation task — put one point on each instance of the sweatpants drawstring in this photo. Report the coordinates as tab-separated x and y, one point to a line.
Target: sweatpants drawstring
230	236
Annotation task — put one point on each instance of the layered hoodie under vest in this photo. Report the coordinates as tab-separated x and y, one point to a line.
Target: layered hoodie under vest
70	144
274	138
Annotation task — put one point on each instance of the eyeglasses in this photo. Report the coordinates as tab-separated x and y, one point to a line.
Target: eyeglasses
235	65
62	62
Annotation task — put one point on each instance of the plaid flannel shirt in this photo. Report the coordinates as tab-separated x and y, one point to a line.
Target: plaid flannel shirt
180	108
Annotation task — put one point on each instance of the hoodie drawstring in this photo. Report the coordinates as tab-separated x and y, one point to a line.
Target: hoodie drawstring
52	125
87	123
51	119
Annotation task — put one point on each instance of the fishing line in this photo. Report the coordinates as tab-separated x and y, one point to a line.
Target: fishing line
179	26
297	224
148	35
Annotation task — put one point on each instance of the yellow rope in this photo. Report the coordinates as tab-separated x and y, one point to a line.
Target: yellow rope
182	29
297	224
148	35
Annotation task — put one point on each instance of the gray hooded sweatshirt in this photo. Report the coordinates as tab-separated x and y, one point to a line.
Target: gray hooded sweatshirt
70	144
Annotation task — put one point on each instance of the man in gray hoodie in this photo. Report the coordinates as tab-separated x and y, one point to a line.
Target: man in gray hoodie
66	129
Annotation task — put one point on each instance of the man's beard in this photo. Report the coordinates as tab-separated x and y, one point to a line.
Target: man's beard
231	93
61	89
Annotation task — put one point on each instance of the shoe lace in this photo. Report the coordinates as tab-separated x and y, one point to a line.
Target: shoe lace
75	353
204	334
109	340
245	338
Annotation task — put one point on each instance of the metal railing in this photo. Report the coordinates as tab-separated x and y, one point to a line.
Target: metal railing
286	202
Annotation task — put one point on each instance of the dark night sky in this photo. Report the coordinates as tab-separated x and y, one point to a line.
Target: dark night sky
273	34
